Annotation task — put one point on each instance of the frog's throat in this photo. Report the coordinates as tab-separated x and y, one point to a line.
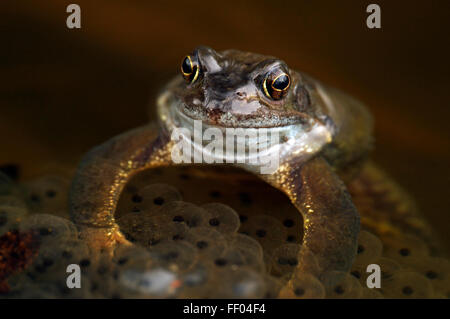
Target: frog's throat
286	142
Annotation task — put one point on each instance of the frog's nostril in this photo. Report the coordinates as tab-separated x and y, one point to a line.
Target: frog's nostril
241	94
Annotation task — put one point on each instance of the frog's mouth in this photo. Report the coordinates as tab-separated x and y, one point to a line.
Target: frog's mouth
284	141
221	118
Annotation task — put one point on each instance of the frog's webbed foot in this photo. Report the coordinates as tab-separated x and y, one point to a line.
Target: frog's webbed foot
102	175
331	221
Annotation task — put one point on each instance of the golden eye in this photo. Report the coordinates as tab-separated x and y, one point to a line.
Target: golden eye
189	69
276	85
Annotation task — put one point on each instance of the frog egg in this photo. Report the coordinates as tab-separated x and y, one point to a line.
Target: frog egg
196	283
406	284
148	199
369	249
245	244
285	259
209	242
407	250
57	287
235	258
177	256
238	258
156	195
73	251
187	213
223	218
304	286
272	286
238	283
103	287
252	261
103	266
104	272
150	230
341	285
52	261
359	272
49	229
73	232
247	284
267	230
437	271
292	222
10	218
104	275
47	194
125	255
388	268
229	258
147	281
250	250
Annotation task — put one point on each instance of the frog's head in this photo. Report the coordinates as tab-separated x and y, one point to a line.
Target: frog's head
240	89
234	89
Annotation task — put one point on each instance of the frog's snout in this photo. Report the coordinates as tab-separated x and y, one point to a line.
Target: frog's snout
241	95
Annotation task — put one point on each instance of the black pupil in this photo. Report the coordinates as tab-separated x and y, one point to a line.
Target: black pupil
281	82
186	66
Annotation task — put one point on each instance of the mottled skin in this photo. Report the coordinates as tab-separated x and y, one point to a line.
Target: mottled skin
326	135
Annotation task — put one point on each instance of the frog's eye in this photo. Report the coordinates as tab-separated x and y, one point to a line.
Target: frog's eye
189	69
276	85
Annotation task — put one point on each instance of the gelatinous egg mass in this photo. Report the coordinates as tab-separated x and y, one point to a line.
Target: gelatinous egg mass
209	232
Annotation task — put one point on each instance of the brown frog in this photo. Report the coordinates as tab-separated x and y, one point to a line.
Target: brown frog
322	138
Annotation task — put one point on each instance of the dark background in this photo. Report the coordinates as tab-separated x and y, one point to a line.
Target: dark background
63	91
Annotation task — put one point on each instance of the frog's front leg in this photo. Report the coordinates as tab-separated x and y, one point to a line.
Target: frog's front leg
331	221
103	173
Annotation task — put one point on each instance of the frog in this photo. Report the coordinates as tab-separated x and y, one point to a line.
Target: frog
323	138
